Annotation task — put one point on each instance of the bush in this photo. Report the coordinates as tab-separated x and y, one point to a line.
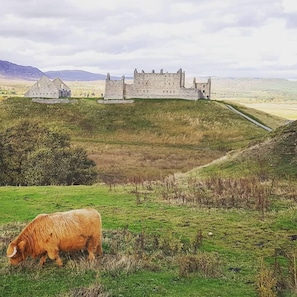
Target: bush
32	154
206	265
266	283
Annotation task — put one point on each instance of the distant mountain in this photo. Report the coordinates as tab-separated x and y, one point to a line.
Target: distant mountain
72	75
13	71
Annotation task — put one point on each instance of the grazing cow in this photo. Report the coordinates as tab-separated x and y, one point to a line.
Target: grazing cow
48	234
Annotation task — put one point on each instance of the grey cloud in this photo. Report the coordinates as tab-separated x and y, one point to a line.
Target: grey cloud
36	9
106	20
33	32
249	13
291	20
122	35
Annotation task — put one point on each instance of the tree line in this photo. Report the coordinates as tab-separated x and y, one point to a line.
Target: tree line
33	154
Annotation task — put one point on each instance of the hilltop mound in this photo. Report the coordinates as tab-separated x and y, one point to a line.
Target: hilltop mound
275	155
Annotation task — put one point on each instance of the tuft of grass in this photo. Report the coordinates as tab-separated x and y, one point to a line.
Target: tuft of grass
205	265
266	283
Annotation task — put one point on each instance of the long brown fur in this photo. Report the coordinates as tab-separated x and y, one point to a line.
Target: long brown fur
48	234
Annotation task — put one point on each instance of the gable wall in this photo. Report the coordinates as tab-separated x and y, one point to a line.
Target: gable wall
45	88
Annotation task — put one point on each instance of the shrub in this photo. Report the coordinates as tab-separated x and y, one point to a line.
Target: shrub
32	154
204	264
218	192
266	283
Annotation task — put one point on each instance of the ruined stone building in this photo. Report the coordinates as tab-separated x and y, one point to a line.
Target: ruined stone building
156	85
45	88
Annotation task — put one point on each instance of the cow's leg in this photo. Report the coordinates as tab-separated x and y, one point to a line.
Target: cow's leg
42	259
91	247
99	248
91	253
97	244
54	255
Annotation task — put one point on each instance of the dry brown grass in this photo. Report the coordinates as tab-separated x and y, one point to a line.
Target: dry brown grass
203	264
130	161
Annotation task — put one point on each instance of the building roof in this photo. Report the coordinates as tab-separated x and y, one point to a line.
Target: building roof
60	84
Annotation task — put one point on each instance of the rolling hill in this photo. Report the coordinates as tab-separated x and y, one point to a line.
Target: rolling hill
149	139
75	75
273	156
13	71
10	70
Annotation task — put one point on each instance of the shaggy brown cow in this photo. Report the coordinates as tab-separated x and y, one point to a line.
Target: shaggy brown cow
48	234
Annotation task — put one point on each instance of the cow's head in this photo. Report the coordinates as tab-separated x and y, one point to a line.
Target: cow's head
16	252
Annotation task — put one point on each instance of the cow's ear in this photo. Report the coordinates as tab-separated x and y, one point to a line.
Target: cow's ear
22	247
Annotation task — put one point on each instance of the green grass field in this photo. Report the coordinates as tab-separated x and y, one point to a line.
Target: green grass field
230	260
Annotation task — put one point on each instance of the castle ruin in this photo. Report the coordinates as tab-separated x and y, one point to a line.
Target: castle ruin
156	85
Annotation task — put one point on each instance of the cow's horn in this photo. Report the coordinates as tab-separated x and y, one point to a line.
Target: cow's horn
13	253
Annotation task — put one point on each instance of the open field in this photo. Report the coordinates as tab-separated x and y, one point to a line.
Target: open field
284	109
287	110
151	246
274	96
256	89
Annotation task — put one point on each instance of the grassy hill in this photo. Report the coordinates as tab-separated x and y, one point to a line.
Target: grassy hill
273	156
148	139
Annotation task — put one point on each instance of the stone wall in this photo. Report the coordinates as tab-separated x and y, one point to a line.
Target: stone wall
156	85
205	89
114	89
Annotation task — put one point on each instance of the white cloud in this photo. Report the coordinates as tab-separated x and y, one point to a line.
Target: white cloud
204	37
289	5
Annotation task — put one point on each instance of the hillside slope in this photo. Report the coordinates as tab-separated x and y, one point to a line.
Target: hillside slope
275	155
148	139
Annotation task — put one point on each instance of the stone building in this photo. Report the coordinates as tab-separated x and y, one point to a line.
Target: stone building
156	85
45	88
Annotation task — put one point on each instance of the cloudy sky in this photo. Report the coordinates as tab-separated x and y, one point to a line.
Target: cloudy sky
238	38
